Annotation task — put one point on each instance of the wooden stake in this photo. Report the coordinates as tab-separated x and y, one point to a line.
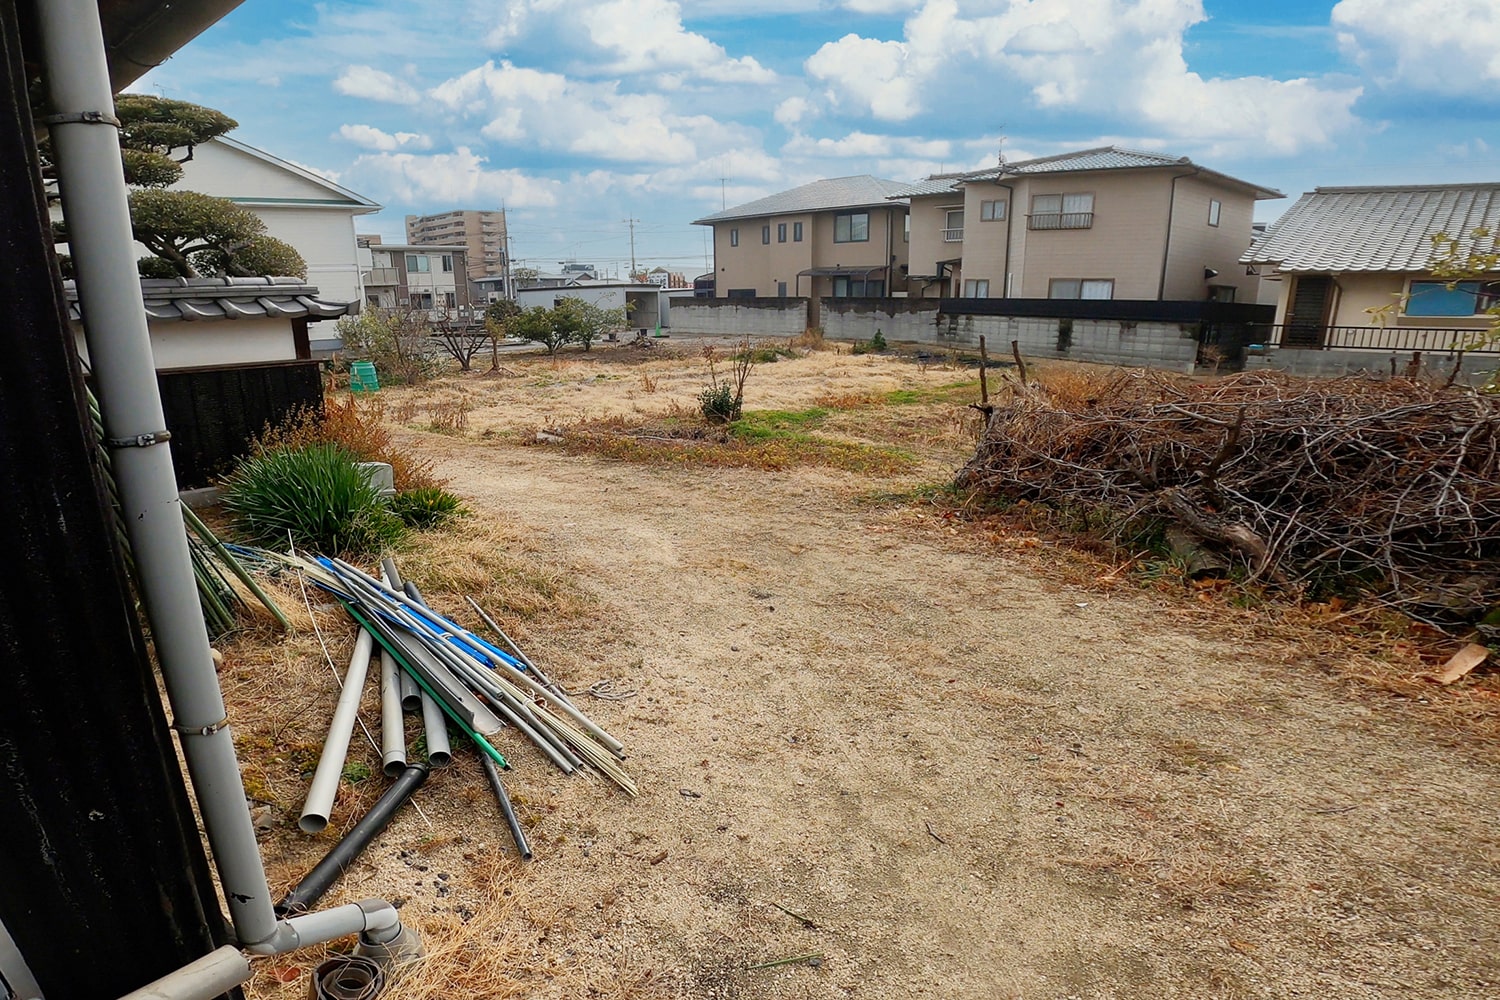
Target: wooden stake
984	381
1015	350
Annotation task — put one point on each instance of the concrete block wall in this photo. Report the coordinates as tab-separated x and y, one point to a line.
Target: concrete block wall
761	317
1146	344
1475	370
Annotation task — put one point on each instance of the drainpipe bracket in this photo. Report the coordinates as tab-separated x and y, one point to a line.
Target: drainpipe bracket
201	730
82	118
140	440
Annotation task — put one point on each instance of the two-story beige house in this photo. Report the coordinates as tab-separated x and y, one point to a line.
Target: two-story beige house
1104	223
839	237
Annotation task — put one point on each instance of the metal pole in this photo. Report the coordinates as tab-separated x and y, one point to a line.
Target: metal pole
92	185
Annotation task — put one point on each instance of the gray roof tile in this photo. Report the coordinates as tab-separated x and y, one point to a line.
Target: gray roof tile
1374	228
199	299
862	191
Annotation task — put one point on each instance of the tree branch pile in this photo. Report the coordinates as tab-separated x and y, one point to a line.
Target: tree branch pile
1390	488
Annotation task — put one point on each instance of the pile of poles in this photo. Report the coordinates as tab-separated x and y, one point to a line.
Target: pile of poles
1390	486
430	664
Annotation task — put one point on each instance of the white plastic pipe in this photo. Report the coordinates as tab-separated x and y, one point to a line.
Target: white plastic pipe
325	781
435	724
392	721
215	973
92	184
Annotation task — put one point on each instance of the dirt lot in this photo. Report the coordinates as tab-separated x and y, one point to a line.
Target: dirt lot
866	733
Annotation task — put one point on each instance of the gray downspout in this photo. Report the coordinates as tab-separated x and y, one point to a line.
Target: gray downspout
92	184
1166	250
1010	215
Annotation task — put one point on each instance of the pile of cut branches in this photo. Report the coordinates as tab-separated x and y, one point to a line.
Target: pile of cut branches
1388	488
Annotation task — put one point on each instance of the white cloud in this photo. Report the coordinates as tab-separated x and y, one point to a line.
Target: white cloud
1440	46
375	85
624	38
1117	57
793	110
581	117
370	137
864	144
457	178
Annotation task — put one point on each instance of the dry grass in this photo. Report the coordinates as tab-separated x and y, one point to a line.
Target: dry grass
361	428
810	339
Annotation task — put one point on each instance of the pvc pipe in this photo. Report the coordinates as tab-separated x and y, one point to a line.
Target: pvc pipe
506	809
325	781
549	682
372	918
216	973
326	872
435	726
392	724
92	185
411	695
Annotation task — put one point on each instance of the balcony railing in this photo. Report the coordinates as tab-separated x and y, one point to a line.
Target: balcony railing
953	235
1394	339
380	276
1061	220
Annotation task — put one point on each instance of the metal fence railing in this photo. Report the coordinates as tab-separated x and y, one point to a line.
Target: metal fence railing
1308	336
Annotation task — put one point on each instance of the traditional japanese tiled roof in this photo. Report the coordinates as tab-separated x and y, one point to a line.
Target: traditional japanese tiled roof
1374	228
862	191
197	299
1099	158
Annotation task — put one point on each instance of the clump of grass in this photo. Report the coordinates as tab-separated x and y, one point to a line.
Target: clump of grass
427	507
875	345
317	494
449	416
810	339
358	428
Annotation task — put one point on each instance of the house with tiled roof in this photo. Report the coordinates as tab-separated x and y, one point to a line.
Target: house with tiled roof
1356	264
837	237
1102	223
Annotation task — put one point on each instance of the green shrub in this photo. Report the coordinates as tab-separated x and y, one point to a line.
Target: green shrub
317	494
717	403
875	345
426	508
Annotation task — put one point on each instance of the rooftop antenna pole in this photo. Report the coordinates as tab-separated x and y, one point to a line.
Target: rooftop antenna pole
723	202
1000	149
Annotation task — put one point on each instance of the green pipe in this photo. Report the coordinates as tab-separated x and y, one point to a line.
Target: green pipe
400	657
233	564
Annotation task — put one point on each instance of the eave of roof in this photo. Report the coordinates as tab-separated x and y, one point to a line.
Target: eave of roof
826	195
208	299
347	196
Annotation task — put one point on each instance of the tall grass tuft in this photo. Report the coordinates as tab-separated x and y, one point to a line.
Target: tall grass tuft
317	493
360	429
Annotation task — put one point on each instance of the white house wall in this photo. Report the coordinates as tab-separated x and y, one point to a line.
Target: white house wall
179	344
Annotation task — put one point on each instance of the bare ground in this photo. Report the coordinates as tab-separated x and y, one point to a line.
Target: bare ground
865	734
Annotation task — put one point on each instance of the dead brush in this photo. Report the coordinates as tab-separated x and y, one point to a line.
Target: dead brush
810	339
405	410
358	427
449	416
648	382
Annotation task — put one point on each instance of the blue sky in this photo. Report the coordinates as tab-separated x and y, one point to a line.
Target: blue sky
578	117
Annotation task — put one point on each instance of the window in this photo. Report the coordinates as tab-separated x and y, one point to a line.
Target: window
421	300
734	237
781	232
418	263
992	211
450	300
1062	211
976	288
741	293
906	228
851	227
1081	288
796	232
765	234
1463	298
857	288
953	225
448	263
1213	211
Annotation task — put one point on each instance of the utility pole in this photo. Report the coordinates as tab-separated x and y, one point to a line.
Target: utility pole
631	223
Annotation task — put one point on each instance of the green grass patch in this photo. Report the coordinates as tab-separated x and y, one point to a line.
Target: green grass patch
953	392
770	424
920	493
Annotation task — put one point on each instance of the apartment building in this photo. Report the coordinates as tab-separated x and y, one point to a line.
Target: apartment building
482	234
838	237
1104	223
410	276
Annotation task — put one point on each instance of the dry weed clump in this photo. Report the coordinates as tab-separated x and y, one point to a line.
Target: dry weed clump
449	415
1343	486
810	339
358	427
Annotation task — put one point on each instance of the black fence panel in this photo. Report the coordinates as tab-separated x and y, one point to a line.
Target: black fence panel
215	413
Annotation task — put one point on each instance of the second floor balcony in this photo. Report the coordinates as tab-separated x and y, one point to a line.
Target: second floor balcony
1060	220
953	235
380	276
